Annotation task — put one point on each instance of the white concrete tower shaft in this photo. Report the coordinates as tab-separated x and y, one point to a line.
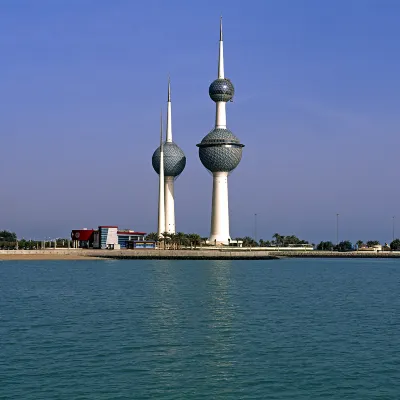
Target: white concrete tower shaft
220	114
220	204
169	114
220	210
169	180
161	196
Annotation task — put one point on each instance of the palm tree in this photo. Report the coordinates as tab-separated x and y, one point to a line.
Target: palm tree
174	240
189	237
359	244
166	239
181	239
152	236
194	239
249	242
291	239
278	238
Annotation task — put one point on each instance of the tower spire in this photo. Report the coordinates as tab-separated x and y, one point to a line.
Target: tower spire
161	193
161	133
169	114
221	73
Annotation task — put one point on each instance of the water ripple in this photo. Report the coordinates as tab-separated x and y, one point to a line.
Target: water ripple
287	329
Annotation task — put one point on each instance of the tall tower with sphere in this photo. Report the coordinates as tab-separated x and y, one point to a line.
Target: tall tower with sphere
174	164
220	152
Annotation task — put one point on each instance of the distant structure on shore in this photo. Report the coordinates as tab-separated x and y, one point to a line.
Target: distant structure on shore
110	237
168	161
220	152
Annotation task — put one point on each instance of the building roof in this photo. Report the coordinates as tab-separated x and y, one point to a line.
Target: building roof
130	233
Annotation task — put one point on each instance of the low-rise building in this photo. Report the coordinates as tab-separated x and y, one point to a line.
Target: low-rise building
109	237
376	248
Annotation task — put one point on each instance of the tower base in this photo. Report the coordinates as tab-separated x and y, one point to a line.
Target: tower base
218	241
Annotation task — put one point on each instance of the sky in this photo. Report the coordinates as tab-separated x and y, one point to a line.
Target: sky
316	104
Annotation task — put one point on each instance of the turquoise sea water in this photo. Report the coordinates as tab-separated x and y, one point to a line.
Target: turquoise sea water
285	329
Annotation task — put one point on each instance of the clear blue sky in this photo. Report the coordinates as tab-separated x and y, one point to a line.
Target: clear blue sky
317	100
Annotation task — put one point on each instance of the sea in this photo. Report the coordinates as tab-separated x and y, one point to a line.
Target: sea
151	329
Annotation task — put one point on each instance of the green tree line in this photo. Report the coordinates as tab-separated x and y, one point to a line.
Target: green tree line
177	240
346	245
9	241
181	239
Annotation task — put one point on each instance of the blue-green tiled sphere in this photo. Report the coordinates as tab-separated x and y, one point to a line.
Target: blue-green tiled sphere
174	160
220	151
221	90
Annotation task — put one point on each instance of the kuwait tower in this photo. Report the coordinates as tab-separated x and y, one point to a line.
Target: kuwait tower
220	152
170	160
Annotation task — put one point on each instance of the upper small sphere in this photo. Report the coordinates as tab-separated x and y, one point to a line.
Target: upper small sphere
174	160
221	90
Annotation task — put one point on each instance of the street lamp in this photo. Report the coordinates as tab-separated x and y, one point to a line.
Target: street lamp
393	227
255	227
337	229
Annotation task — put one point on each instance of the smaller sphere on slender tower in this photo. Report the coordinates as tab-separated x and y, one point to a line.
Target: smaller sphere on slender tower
221	90
174	160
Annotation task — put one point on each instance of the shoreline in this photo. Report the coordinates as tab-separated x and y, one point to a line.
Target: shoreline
194	254
44	257
81	254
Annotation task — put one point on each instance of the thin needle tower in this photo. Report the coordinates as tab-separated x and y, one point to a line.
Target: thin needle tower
174	162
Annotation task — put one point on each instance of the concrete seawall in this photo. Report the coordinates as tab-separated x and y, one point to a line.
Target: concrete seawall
190	255
195	254
335	254
138	254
